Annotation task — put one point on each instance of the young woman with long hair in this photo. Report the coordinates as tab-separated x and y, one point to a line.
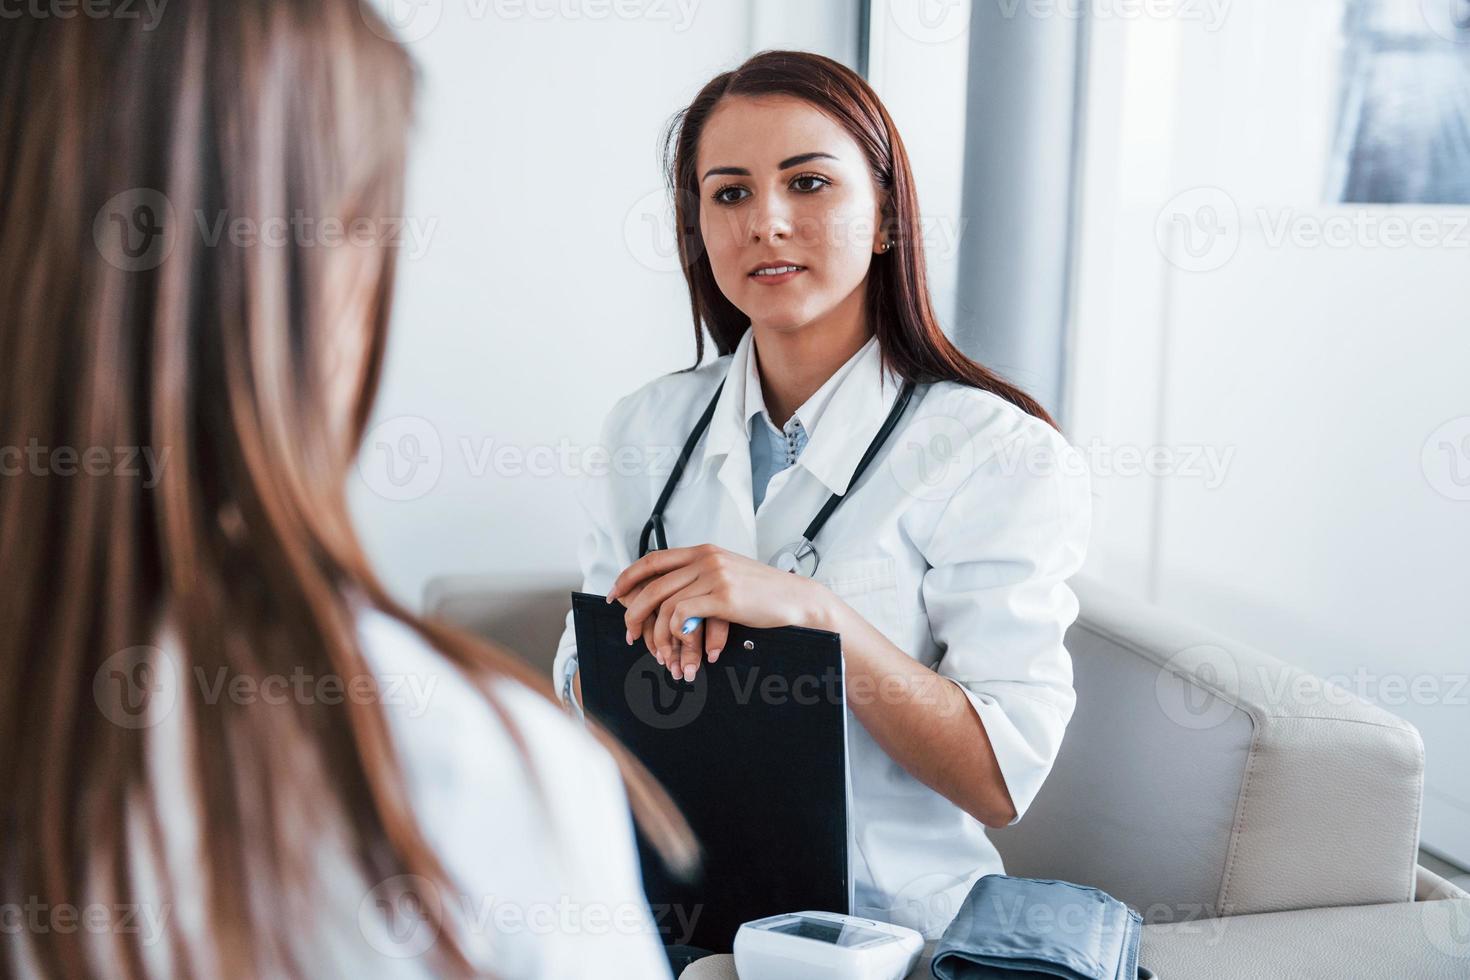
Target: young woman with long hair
943	565
175	802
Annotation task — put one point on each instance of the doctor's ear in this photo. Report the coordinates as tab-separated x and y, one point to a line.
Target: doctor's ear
883	239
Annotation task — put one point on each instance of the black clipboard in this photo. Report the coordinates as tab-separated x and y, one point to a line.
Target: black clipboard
754	752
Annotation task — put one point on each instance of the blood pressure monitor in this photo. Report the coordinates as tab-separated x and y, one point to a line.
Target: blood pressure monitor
824	946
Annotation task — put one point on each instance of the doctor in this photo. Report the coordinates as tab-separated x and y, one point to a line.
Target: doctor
943	557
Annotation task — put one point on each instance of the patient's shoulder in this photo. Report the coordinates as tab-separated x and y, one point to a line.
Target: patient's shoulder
427	696
509	814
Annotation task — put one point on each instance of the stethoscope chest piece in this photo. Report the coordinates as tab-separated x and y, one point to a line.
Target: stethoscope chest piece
799	557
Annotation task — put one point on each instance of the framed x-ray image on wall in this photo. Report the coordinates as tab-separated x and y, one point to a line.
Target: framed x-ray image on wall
1404	121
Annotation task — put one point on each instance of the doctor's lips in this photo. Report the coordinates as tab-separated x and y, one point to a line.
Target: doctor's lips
771	273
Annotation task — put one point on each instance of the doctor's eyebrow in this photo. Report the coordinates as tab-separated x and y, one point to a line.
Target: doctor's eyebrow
786	164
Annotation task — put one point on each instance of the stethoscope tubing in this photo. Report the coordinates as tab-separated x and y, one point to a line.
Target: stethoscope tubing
654	531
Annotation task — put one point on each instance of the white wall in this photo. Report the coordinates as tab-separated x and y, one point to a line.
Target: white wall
1328	380
549	287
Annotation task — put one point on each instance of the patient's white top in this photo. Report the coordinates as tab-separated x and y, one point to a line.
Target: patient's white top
561	899
537	895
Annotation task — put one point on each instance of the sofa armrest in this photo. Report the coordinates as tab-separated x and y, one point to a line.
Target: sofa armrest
1424	940
1200	777
522	613
1429	887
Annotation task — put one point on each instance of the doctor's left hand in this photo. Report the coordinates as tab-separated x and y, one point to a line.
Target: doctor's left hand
667	587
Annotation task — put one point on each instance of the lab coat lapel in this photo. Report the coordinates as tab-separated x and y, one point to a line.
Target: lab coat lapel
849	422
727	449
838	439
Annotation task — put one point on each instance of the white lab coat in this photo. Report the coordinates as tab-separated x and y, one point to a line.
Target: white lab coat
956	544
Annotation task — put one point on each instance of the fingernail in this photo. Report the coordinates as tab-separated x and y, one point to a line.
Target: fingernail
689	673
628	637
713	655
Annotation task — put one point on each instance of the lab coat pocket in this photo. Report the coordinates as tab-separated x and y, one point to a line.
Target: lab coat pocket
869	586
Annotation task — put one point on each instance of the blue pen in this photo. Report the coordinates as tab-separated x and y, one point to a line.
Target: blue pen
691	624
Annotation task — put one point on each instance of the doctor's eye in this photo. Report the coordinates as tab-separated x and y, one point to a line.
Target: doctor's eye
725	195
812	182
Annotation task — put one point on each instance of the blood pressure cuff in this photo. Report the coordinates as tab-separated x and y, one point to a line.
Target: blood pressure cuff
1027	928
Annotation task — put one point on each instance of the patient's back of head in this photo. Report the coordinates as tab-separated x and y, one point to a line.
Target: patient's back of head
185	373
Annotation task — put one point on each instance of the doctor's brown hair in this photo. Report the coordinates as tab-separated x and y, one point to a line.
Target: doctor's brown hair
236	558
912	343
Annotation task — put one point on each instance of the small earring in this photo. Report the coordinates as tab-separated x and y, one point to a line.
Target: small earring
883	247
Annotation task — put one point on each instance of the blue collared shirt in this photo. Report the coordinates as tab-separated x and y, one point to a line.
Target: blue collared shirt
772	450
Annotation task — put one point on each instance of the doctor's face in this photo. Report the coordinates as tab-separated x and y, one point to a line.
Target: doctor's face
782	184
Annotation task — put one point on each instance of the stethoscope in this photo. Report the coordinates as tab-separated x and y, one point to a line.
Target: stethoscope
801	555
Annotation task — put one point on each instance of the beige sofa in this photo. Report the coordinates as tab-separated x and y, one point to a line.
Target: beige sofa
1264	823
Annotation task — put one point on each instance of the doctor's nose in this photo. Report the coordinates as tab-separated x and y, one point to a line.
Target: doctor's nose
770	225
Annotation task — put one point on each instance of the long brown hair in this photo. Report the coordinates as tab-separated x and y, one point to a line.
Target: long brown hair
913	345
125	331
